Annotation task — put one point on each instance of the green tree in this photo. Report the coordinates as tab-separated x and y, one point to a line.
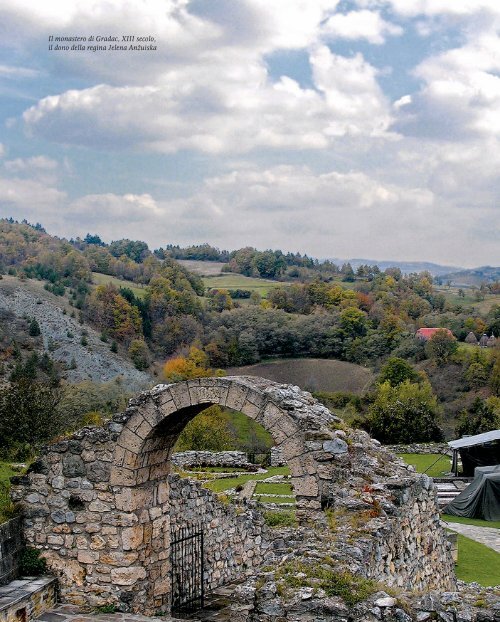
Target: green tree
396	371
139	353
28	413
209	431
476	374
441	346
483	416
34	328
405	413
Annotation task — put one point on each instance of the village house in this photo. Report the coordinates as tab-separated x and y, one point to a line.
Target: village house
424	334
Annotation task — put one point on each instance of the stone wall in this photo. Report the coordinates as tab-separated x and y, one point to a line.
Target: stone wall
99	505
404	548
11	544
277	459
420	448
236	538
185	459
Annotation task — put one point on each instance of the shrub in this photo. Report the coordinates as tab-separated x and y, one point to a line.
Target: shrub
34	328
32	564
280	519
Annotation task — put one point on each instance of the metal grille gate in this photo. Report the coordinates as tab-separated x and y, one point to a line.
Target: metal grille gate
186	558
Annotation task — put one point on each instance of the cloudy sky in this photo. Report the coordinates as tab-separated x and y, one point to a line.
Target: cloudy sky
360	128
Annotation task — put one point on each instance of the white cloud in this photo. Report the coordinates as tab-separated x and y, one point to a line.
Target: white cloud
460	96
9	71
218	107
362	24
412	8
35	163
31	199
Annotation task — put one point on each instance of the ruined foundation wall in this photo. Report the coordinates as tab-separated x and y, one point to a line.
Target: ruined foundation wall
235	538
410	548
185	459
99	506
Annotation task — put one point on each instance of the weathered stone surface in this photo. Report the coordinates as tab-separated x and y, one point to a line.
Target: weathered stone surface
336	446
127	575
118	534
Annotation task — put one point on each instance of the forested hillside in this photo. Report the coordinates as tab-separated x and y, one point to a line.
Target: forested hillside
148	308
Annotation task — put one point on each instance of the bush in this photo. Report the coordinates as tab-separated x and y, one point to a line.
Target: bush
406	413
280	519
32	564
34	328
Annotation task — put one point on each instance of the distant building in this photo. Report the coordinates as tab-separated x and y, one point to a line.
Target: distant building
471	338
483	342
424	334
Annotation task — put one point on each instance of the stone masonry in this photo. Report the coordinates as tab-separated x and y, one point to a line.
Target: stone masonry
184	459
236	538
100	504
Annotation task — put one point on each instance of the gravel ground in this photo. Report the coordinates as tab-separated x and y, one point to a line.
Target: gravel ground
62	336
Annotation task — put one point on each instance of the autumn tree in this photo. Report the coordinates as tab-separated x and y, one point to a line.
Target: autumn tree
195	365
441	346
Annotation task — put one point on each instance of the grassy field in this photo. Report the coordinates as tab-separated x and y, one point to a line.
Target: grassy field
477	562
219	485
246	429
104	279
423	463
203	268
471	521
273	488
312	374
238	281
469	300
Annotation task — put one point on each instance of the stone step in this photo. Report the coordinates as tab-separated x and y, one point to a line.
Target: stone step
27	598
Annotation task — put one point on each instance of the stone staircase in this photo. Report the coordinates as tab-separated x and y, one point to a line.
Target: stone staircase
449	487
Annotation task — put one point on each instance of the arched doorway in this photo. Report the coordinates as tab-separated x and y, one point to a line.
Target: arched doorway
106	491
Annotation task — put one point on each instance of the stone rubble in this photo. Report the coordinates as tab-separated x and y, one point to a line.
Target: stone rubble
101	507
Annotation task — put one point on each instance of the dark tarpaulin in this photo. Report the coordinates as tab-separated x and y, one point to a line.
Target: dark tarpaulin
479	456
481	499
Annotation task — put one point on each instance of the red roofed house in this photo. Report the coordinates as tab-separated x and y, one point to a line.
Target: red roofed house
424	334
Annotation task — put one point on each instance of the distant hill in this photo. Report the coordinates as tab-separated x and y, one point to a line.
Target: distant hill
472	277
406	267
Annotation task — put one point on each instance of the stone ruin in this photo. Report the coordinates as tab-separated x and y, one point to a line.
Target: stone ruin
102	504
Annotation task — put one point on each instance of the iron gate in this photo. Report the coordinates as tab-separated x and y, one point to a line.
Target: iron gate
186	558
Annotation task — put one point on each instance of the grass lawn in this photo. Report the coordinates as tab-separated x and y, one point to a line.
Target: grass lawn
212	469
238	281
246	428
104	279
423	463
273	488
495	524
477	562
6	472
219	485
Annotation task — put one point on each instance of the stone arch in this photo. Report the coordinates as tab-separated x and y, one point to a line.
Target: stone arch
156	419
151	426
99	502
